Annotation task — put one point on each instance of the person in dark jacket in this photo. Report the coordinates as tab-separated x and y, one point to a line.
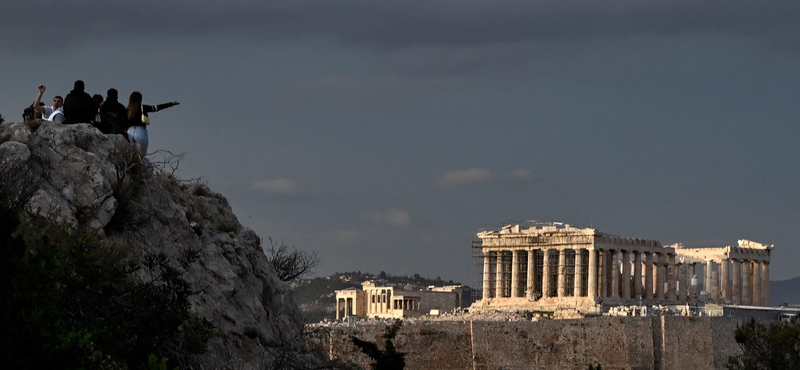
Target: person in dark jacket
113	116
138	120
78	106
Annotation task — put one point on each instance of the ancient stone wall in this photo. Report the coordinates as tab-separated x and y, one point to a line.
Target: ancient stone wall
657	343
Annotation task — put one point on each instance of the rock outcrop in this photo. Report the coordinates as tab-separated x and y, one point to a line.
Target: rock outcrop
95	181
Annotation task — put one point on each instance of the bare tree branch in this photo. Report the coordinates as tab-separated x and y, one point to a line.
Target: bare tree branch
291	263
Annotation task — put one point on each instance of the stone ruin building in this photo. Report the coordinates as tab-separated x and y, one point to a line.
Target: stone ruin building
388	302
547	265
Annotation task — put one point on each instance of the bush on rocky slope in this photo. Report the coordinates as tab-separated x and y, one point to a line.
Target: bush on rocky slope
101	200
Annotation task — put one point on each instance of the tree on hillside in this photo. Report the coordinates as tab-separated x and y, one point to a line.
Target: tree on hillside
290	263
767	346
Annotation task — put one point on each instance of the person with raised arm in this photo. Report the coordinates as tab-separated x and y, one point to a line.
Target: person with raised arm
53	112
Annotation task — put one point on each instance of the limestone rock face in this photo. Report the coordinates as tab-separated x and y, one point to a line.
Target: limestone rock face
87	185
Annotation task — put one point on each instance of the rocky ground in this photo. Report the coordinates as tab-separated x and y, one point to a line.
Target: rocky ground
97	182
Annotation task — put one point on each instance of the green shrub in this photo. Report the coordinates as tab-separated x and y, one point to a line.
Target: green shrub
70	300
229	227
767	346
133	173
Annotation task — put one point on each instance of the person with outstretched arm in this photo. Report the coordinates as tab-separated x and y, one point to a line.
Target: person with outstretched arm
138	120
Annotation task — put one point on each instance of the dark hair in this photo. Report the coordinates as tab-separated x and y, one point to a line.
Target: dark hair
98	100
28	114
134	104
59	98
79	86
112	94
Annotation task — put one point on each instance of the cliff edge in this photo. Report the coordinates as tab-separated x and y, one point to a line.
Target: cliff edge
96	182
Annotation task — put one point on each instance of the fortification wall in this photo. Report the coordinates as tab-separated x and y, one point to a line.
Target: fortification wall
658	343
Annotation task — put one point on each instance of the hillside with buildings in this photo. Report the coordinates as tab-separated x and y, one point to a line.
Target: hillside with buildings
316	297
785	291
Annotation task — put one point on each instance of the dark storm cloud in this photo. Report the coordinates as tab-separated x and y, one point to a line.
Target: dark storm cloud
393	25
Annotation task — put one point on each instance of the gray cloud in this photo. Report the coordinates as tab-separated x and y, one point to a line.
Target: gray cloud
277	186
474	176
282	189
454	179
391	217
394	25
347	236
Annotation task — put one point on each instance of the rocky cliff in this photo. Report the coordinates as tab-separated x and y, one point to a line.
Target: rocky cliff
96	182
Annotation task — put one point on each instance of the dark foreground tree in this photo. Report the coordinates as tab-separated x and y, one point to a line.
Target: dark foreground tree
767	346
389	358
70	301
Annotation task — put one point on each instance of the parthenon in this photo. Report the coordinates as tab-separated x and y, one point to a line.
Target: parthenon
556	264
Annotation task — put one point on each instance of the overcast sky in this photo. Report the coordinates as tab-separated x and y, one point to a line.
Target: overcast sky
385	134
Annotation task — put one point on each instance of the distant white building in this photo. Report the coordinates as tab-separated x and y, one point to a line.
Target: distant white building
388	302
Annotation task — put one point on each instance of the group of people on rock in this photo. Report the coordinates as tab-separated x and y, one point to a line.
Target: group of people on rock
109	116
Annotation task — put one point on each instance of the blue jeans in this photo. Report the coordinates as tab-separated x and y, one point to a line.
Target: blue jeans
137	135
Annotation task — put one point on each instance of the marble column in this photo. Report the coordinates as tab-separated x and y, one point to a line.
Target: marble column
747	284
498	276
709	266
683	283
672	275
592	288
626	275
648	276
637	275
615	280
655	274
603	263
756	283
661	276
578	273
371	296
765	284
724	281
514	274
337	308
531	270
736	286
546	274
562	273
694	283
715	286
487	273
